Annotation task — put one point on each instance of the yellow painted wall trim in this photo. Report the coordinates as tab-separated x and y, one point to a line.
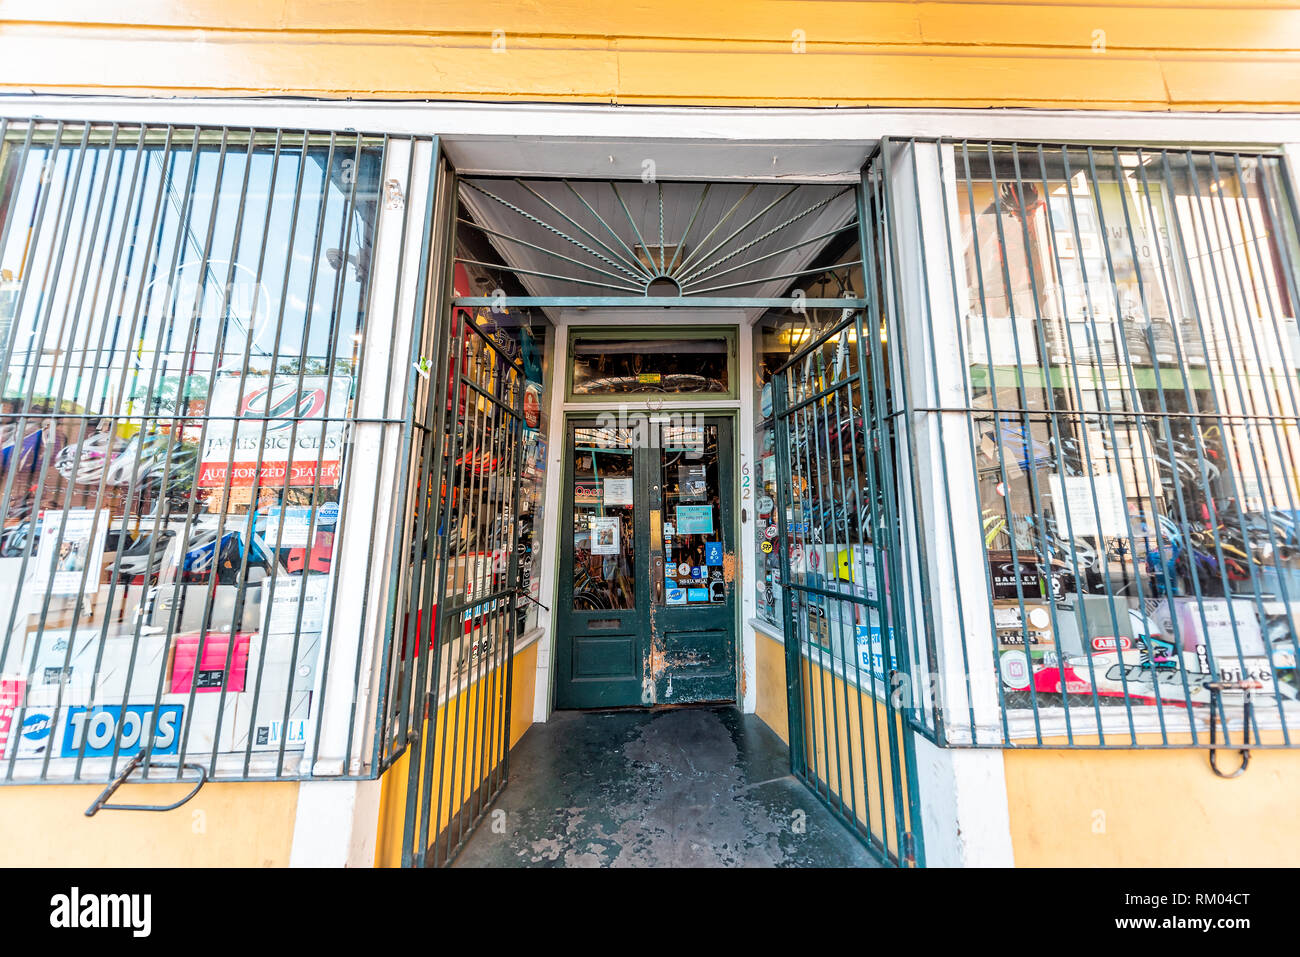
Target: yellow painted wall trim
1155	55
226	825
770	701
393	785
1150	808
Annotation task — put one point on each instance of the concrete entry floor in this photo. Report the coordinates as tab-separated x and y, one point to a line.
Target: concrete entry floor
686	787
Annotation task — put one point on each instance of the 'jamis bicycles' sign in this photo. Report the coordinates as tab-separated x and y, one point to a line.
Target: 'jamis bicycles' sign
260	423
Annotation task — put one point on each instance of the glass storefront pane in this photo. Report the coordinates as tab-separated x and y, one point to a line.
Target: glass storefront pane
778	335
1130	351
693	559
604	540
183	322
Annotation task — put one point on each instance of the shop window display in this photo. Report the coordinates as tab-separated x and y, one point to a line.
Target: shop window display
526	335
181	328
1131	363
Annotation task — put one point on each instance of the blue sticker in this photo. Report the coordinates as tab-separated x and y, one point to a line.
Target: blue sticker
697	572
697	594
713	553
677	596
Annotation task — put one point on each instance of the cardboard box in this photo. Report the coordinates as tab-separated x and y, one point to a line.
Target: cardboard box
77	674
267	727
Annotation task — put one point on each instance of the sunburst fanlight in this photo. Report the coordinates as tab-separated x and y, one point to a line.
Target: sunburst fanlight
603	237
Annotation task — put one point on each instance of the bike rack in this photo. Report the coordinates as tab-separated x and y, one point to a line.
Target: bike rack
1216	690
101	803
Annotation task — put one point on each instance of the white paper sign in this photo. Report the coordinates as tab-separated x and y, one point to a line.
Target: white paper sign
618	491
282	614
1074	495
63	563
604	536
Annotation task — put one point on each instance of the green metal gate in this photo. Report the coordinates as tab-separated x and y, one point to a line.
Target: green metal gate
838	527
463	572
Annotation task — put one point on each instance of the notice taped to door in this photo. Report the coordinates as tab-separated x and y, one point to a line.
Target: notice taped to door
604	536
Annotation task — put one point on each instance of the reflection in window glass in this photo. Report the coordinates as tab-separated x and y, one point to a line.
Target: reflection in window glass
182	318
1131	358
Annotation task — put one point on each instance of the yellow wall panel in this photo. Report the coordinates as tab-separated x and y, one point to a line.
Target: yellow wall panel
1156	55
1150	808
226	825
393	786
846	742
846	738
770	701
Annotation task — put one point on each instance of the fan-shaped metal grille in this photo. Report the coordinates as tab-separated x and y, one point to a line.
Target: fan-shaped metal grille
635	239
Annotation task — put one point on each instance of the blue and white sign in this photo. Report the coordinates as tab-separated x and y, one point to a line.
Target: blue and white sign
871	655
694	520
99	729
297	520
676	596
697	594
713	553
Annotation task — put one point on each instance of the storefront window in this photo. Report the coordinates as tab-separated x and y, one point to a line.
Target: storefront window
1131	361
604	366
526	335
182	323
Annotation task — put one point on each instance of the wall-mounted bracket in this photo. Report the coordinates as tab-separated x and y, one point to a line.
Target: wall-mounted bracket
101	802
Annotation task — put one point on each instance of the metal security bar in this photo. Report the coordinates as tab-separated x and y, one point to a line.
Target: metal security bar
197	427
463	585
1097	364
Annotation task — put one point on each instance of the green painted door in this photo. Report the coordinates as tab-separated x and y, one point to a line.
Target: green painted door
647	600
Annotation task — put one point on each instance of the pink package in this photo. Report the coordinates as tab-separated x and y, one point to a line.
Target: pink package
212	669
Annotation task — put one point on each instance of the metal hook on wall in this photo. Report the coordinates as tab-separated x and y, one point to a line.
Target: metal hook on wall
1216	689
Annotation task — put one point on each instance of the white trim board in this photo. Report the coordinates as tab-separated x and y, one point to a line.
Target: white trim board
771	144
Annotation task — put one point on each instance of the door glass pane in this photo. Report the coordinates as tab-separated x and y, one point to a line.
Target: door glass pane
603	505
693	554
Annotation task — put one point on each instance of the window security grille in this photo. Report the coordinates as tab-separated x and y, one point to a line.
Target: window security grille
199	414
1098	411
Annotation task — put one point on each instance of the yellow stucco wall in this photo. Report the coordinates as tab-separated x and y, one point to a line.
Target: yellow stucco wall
770	702
393	786
1158	54
1151	808
226	825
